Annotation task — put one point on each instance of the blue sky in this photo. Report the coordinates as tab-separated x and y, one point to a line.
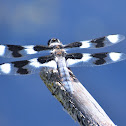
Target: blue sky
25	100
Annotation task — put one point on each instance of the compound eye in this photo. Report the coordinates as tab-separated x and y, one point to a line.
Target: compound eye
53	40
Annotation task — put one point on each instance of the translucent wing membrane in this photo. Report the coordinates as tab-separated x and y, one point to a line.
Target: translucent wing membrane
87	59
27	66
16	51
98	42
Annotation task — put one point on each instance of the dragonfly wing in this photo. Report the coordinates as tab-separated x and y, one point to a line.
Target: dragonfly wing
87	59
25	67
16	51
98	42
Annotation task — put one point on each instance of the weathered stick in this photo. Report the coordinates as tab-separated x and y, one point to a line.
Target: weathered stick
80	105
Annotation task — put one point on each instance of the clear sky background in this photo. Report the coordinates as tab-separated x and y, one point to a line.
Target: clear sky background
25	100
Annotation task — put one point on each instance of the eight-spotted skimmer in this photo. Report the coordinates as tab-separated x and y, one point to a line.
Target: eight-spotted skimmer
58	58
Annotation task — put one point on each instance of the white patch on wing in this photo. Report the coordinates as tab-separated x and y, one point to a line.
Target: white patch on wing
30	49
51	64
86	57
5	68
34	62
2	50
85	44
115	38
115	56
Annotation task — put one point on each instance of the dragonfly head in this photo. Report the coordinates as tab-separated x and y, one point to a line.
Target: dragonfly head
53	42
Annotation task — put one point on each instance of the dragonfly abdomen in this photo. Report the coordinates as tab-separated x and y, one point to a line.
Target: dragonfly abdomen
64	75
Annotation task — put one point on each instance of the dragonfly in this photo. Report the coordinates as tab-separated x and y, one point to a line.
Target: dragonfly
59	58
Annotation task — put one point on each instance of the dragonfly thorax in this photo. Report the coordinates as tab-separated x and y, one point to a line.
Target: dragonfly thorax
58	51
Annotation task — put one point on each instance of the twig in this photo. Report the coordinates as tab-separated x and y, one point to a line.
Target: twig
81	105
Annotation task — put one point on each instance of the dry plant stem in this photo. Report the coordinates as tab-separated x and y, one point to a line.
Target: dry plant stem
80	105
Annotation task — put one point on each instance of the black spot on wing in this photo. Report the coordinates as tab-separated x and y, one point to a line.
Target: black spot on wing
99	55
19	65
99	62
99	42
74	56
100	58
41	48
15	50
45	59
22	71
74	44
